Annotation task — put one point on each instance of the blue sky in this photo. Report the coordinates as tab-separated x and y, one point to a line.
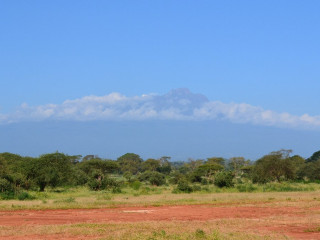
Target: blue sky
262	53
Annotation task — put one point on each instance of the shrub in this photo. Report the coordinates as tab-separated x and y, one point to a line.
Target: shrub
96	184
200	233
7	195
249	187
5	186
66	200
136	185
183	186
25	196
204	181
175	177
196	188
224	179
155	178
116	189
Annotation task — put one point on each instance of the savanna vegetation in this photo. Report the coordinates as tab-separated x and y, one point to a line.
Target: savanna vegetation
30	178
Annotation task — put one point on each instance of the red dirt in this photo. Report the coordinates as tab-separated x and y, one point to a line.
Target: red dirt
164	213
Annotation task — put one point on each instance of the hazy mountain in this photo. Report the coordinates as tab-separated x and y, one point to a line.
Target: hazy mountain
178	139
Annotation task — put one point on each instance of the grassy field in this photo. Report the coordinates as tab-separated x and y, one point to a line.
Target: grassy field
81	197
304	196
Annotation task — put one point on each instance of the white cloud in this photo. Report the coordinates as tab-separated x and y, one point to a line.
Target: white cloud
176	105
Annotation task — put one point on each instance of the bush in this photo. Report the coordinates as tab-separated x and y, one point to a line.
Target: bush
286	187
25	196
116	189
196	188
183	186
135	185
5	186
99	181
111	183
175	177
224	179
6	195
249	187
204	181
155	178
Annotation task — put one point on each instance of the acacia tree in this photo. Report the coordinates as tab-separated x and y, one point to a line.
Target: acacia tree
206	170
130	162
274	166
150	165
52	169
216	160
105	166
165	165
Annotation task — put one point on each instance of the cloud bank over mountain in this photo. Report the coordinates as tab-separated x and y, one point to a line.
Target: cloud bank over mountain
178	104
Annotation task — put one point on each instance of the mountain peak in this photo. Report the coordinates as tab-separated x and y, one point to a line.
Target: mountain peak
185	93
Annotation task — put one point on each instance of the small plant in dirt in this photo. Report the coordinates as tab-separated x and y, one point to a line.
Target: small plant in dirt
224	179
160	234
312	230
200	233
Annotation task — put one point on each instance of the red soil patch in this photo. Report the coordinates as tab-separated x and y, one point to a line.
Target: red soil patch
164	213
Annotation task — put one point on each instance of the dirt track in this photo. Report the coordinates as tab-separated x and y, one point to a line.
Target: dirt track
170	213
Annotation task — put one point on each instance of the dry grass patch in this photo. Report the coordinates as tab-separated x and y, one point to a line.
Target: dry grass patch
84	198
221	229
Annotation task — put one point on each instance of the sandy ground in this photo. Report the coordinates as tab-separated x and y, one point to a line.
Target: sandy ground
294	222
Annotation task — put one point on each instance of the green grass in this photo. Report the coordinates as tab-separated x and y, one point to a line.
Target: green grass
145	195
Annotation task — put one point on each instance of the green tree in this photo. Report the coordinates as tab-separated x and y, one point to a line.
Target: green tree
16	169
298	164
3	167
165	165
236	163
224	179
206	170
52	169
130	162
274	166
154	178
315	157
105	166
216	160
150	165
310	170
194	164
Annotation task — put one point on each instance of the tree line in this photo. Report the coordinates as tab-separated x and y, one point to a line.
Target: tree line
19	173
